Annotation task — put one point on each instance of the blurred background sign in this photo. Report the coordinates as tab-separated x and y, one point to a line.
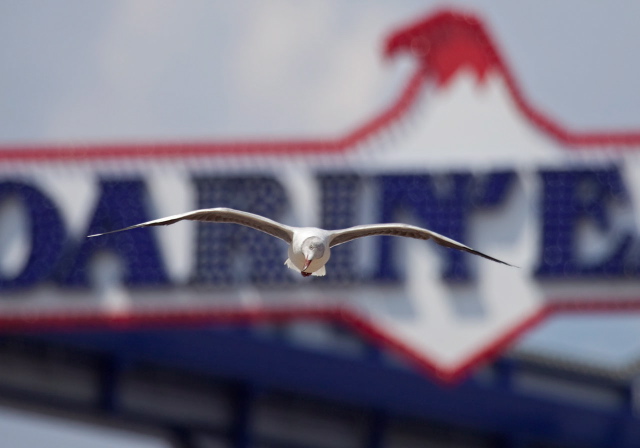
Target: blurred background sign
460	131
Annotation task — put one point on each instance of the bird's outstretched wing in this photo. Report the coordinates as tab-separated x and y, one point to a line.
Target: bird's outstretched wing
228	215
345	235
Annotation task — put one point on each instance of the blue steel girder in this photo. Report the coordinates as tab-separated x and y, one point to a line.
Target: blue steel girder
365	381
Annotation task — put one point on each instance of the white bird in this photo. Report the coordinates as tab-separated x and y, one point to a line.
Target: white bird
309	247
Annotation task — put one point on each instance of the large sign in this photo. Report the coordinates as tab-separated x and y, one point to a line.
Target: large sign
480	165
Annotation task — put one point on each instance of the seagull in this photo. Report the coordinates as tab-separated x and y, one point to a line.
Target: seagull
309	247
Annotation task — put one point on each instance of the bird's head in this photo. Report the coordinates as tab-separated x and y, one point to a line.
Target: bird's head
312	249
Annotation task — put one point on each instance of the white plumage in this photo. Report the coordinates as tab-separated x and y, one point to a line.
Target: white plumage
309	247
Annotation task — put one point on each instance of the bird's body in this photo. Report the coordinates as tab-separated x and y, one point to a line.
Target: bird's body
296	260
309	247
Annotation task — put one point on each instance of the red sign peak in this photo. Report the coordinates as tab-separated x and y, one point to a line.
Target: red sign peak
446	42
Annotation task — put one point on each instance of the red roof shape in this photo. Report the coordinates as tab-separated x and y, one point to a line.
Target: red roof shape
449	40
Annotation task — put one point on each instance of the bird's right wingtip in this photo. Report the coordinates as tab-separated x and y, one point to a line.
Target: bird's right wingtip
505	263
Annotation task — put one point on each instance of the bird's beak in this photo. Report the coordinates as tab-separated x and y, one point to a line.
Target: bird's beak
306	264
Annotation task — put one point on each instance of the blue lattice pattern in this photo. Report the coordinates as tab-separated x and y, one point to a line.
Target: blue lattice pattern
47	234
260	255
441	203
339	199
570	198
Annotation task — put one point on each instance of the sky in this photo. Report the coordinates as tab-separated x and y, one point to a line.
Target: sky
154	70
136	70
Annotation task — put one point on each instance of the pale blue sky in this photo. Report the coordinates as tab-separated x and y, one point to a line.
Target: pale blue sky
76	70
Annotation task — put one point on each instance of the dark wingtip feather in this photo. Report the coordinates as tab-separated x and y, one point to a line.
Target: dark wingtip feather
475	252
112	231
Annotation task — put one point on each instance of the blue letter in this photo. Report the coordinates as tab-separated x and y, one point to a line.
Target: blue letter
230	253
340	193
568	198
121	204
47	234
442	204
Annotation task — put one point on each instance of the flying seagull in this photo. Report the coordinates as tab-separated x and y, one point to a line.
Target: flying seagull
309	247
